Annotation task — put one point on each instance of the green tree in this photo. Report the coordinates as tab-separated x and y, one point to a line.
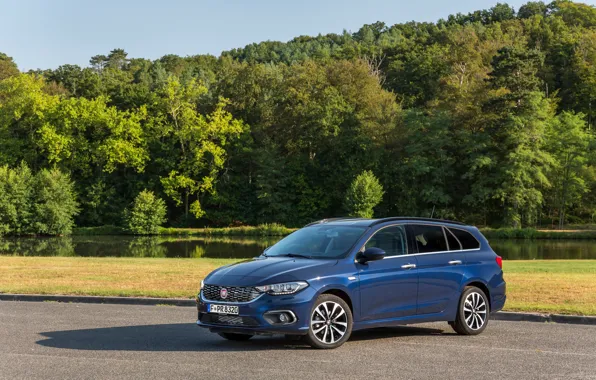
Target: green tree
148	213
15	200
364	194
532	8
518	115
7	67
54	203
569	143
200	139
24	107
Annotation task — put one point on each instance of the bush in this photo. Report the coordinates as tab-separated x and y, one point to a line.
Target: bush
364	194
147	214
54	204
15	200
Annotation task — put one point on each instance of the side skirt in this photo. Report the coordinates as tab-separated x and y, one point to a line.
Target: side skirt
437	317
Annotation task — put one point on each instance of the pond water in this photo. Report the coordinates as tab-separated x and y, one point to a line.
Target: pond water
246	247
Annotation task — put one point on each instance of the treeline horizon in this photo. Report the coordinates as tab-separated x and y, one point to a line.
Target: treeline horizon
484	117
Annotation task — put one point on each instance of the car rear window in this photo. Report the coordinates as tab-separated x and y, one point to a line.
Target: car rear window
467	240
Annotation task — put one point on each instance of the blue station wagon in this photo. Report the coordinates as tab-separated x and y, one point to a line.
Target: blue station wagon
339	275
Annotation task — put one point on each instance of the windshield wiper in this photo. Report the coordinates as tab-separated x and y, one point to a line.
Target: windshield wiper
294	255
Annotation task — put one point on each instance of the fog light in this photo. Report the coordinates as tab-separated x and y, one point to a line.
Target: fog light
280	317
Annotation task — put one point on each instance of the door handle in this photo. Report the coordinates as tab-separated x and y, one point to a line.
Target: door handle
408	266
455	262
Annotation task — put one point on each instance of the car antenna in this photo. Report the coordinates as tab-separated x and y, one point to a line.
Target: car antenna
433	212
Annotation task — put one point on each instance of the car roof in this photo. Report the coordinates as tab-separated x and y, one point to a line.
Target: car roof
364	222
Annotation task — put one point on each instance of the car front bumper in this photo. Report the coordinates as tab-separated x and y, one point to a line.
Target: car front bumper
251	315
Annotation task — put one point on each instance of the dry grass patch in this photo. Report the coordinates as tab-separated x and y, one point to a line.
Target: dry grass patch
553	286
151	277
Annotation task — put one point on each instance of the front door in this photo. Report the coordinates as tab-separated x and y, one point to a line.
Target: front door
440	267
388	287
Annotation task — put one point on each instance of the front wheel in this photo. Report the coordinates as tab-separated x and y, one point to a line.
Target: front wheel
330	322
472	313
236	337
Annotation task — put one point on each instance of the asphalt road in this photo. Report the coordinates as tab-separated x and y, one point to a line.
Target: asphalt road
86	341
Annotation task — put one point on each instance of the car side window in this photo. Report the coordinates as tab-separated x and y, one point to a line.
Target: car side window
454	244
392	240
468	241
427	238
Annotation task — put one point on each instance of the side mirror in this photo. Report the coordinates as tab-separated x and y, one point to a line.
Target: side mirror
371	254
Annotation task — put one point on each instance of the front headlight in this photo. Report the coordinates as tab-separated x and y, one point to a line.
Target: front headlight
202	284
283	288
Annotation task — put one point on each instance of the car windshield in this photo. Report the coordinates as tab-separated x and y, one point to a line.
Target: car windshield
320	241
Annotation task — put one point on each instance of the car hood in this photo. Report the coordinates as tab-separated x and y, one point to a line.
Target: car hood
268	270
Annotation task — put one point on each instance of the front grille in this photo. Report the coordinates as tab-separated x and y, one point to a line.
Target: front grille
229	320
235	293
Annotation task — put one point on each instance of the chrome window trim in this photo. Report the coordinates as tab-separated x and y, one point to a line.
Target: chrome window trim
205	300
434	253
426	253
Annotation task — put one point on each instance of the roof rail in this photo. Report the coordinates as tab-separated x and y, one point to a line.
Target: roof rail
383	220
327	220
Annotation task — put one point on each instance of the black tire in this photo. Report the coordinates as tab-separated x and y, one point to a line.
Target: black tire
333	322
234	336
473	312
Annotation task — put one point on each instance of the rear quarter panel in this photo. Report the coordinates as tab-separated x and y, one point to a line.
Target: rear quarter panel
481	267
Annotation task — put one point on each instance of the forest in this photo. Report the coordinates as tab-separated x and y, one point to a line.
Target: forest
483	117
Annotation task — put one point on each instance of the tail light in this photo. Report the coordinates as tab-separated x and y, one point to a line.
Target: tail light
499	261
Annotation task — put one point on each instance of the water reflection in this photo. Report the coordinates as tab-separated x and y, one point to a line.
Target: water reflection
246	247
128	246
545	249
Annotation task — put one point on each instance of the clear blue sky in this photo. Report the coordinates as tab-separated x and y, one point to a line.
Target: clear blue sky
49	33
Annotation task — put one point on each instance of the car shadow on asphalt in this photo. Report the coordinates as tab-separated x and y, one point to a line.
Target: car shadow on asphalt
188	337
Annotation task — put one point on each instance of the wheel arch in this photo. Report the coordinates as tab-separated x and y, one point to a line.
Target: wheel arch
482	286
341	294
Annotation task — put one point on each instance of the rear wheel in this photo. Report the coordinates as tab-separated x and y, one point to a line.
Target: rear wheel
236	337
472	313
330	322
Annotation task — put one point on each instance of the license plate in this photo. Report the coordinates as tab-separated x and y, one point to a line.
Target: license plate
222	309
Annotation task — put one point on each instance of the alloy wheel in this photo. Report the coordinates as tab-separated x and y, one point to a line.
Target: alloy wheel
475	311
329	322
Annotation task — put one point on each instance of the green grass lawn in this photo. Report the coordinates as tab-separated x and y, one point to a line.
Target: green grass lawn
554	286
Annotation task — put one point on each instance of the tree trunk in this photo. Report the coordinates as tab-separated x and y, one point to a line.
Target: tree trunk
186	206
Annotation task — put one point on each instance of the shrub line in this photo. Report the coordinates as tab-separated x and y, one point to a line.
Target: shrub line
151	301
280	230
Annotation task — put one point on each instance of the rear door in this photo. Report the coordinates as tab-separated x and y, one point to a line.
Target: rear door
440	263
388	287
